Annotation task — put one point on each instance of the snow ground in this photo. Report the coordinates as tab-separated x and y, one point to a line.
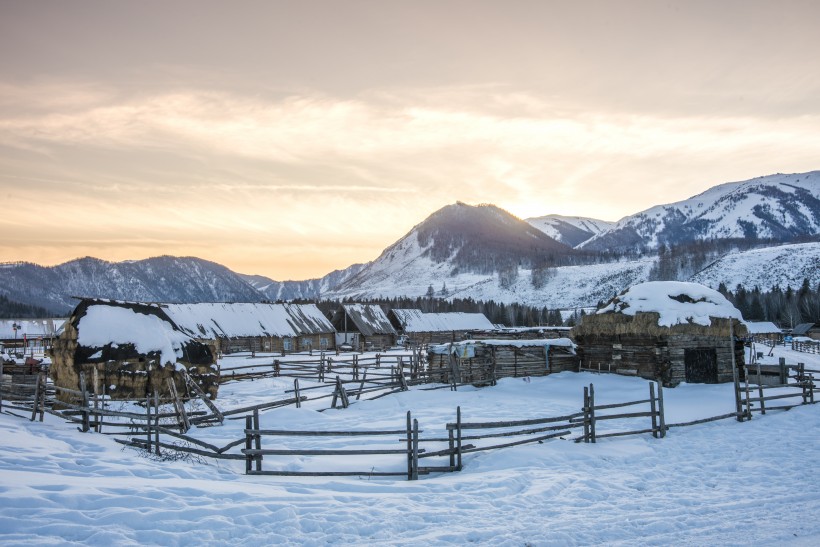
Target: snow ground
723	482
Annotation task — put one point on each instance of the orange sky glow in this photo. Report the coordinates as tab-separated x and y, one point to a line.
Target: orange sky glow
289	139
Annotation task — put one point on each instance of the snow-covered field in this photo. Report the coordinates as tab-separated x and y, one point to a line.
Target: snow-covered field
723	482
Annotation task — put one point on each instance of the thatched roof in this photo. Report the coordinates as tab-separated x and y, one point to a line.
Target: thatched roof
115	331
657	307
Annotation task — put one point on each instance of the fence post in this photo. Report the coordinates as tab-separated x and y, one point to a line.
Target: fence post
248	442
37	394
451	444
86	425
655	430
592	412
661	416
415	449
156	422
458	438
585	409
784	376
277	368
148	423
409	447
296	393
257	439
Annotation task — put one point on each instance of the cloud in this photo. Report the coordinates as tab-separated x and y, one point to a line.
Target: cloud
315	172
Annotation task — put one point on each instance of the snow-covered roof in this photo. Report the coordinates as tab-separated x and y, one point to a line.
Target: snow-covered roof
30	328
762	327
369	319
223	320
116	325
676	302
416	321
802	328
443	349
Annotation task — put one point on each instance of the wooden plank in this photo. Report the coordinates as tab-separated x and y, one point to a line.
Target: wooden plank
516	443
323	452
296	433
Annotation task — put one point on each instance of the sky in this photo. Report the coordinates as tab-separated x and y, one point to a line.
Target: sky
292	138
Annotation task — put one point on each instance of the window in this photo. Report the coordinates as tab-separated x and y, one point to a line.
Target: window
287	344
323	343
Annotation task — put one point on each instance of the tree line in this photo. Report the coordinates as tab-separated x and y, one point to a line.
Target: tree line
786	308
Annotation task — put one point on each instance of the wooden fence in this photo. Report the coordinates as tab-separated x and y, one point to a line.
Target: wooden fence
806	347
761	379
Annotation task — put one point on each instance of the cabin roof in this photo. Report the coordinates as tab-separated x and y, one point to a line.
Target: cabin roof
413	320
676	303
110	330
762	327
233	320
369	319
802	329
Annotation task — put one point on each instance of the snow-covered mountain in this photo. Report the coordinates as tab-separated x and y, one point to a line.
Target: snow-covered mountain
160	279
309	289
571	231
776	207
463	242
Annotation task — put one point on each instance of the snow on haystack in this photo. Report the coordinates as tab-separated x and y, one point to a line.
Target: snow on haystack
104	325
677	302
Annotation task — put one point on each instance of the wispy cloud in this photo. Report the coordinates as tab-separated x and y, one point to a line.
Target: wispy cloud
188	166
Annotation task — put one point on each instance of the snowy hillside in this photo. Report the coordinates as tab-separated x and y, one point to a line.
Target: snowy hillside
578	286
571	231
779	207
718	483
784	265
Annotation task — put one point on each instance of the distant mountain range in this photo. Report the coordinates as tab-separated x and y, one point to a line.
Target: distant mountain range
484	252
777	207
572	231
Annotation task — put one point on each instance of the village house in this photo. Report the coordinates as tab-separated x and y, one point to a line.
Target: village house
254	327
482	361
135	349
363	326
667	331
809	330
28	337
421	328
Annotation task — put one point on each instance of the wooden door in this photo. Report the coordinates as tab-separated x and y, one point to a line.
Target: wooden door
701	365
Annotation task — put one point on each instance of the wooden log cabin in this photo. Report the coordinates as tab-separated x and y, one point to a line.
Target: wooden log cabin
134	347
483	361
667	331
364	326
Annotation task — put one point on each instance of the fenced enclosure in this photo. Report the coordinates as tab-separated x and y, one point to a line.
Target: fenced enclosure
161	424
774	387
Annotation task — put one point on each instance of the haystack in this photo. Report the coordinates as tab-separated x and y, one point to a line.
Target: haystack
135	349
667	331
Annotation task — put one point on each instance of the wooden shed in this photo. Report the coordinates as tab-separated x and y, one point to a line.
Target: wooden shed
667	331
809	330
481	361
134	347
437	328
254	327
364	326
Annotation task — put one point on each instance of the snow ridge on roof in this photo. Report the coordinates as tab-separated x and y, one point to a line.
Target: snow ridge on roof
676	302
222	320
416	321
370	319
104	325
